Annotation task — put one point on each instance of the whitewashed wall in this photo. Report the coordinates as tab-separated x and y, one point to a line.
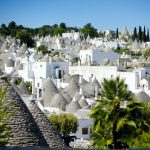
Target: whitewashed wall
84	123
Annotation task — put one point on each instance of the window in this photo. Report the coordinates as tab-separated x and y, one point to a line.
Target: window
84	131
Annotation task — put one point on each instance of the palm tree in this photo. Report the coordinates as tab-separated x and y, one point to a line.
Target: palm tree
114	122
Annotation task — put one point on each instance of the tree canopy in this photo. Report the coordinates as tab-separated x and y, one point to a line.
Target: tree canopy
88	29
12	29
25	37
43	49
119	120
65	123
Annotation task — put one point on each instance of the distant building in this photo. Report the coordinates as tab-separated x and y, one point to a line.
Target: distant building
73	35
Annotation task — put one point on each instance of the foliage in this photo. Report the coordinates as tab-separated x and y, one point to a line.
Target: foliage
88	29
147	36
147	53
63	25
121	51
134	36
144	35
25	37
17	81
13	29
44	30
29	86
117	34
75	60
140	34
58	31
117	125
65	123
5	115
43	49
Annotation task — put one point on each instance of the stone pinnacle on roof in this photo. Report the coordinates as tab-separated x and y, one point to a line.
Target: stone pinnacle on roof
125	32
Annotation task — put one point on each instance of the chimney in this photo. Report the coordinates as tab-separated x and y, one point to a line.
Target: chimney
50	59
80	79
80	92
96	91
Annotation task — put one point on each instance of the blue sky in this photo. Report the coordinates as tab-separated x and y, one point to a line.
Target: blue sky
103	14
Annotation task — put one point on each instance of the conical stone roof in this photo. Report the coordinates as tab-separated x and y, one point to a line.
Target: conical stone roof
9	63
142	97
45	59
125	32
22	50
39	56
58	101
136	46
23	129
23	88
67	77
50	134
73	106
4	47
20	66
77	96
66	96
82	102
49	90
72	88
1	73
95	83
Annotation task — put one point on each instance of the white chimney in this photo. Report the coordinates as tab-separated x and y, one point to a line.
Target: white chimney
96	91
81	91
80	79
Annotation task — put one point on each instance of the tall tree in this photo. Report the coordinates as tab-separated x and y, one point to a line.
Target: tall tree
63	25
3	26
117	34
134	36
88	29
44	30
140	34
4	30
144	35
147	36
115	122
12	25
